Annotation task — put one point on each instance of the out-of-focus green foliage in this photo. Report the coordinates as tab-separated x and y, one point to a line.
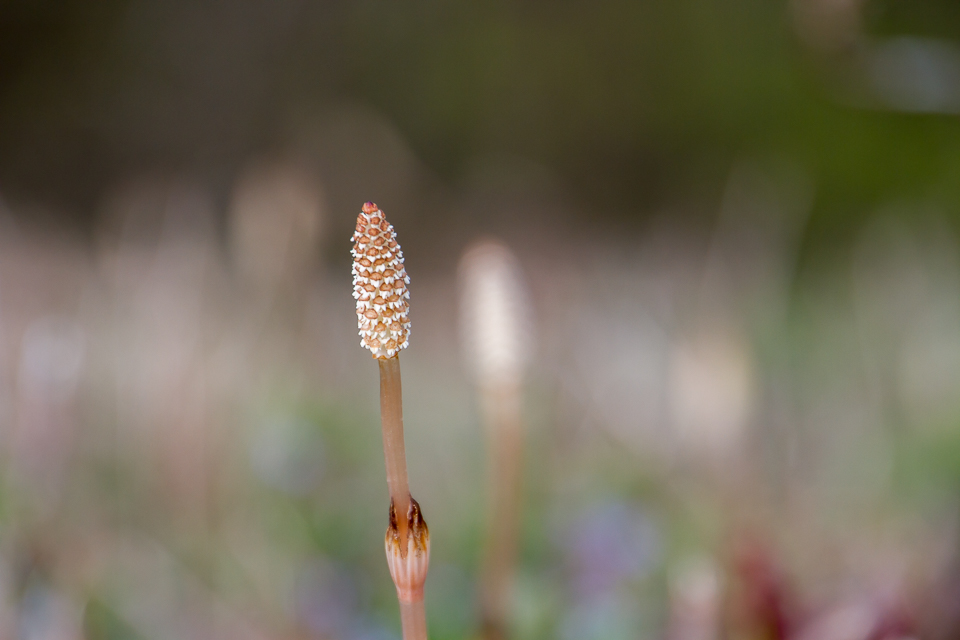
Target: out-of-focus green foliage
631	105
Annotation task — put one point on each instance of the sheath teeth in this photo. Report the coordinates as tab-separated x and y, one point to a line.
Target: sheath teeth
408	564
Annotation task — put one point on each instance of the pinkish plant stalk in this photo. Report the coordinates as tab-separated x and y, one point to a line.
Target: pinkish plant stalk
494	310
380	288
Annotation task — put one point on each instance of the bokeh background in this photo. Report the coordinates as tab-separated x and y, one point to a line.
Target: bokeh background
737	227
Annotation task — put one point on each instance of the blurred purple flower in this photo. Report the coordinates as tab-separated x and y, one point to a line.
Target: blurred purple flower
610	544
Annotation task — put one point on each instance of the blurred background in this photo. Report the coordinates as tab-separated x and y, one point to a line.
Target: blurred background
736	284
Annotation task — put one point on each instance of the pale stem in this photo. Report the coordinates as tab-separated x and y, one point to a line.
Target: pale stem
502	415
391	417
413	620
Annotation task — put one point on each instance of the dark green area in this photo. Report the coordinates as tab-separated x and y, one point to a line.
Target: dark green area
633	106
